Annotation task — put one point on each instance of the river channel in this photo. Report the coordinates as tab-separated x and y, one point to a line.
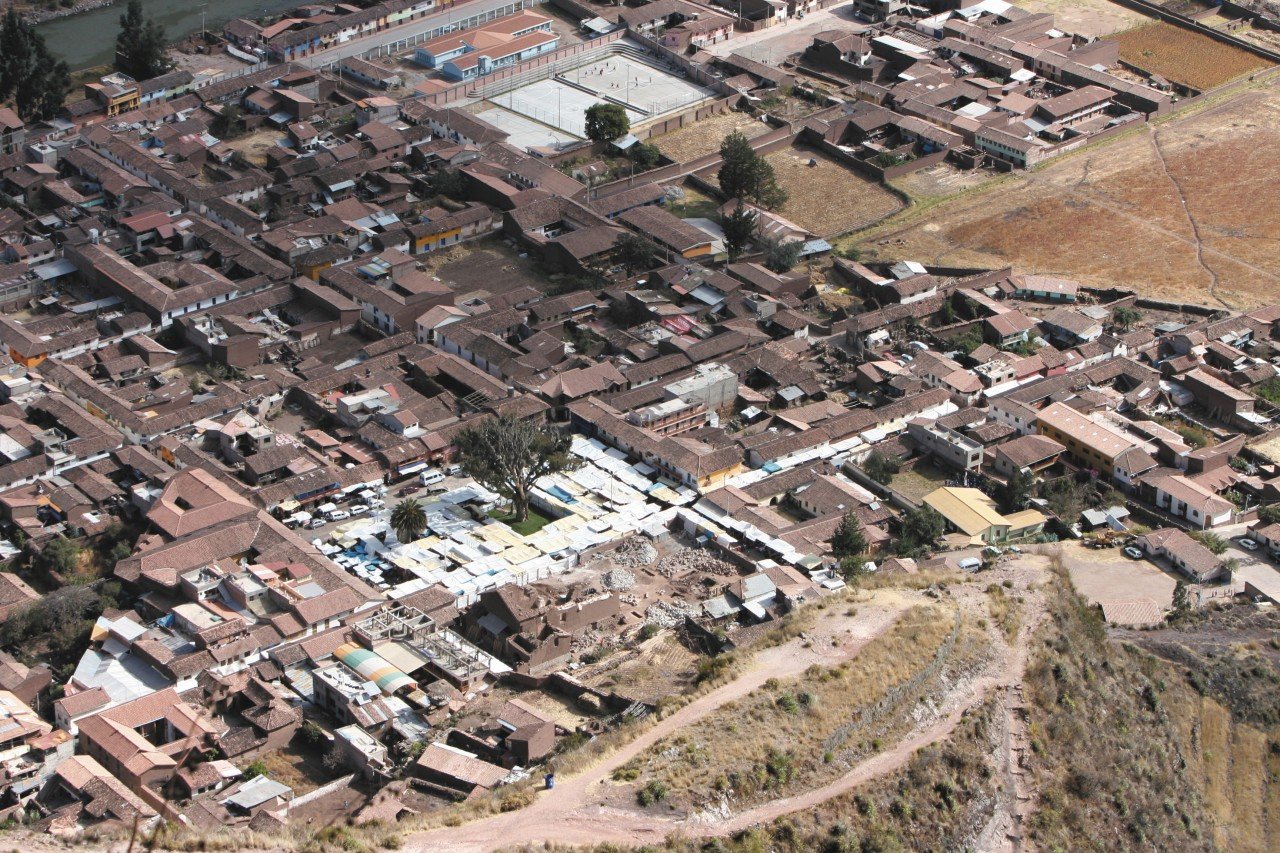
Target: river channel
89	38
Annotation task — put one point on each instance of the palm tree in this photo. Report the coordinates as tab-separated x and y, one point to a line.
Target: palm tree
408	520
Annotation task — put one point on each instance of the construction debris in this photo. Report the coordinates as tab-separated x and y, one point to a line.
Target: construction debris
693	559
618	580
669	614
635	553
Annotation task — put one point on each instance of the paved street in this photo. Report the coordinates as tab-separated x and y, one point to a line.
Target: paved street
774	44
406	32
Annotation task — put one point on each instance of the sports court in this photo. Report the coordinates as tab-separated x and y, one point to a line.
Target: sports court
648	89
543	111
525	132
555	103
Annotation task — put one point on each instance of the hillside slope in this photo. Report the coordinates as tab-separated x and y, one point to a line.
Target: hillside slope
1126	753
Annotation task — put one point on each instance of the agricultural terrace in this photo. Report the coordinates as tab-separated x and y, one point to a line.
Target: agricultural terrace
1121	214
1184	56
828	198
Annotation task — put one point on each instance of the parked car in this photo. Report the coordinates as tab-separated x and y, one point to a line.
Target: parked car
1133	552
1248	544
430	477
339	515
453	470
315	523
358	509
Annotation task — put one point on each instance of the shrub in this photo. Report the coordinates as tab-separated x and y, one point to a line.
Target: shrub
255	768
653	792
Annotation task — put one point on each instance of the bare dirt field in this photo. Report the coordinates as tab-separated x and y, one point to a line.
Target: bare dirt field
1187	209
1106	574
473	267
254	146
1184	56
704	137
829	199
1087	17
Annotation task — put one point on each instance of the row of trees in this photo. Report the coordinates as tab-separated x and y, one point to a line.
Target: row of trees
29	74
140	46
38	82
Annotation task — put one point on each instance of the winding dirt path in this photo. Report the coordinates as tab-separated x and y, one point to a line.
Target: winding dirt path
970	696
1186	209
572	812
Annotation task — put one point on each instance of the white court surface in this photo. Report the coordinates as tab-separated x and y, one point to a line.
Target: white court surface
525	132
554	103
649	89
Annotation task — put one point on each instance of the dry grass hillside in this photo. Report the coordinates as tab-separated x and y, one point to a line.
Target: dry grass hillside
795	734
1129	751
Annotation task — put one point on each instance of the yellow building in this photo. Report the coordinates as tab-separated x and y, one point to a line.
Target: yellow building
117	93
974	514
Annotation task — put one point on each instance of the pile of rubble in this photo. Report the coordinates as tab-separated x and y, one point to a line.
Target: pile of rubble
592	640
635	553
669	614
618	580
693	560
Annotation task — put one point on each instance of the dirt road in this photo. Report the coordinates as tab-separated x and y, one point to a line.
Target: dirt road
573	814
576	812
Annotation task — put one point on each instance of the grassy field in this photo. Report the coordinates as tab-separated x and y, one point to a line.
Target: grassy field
803	732
694	203
829	199
1184	56
939	801
531	525
918	481
1113	215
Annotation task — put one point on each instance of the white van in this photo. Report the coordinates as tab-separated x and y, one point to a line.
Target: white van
430	476
339	515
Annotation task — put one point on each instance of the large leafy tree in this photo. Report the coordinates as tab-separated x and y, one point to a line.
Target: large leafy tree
746	175
848	539
28	72
1125	317
922	527
140	47
1016	490
881	467
606	122
408	520
634	252
739	227
509	455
